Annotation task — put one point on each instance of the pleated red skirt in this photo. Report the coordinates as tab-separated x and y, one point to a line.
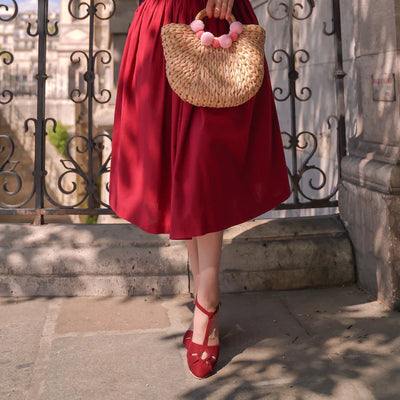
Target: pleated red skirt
182	169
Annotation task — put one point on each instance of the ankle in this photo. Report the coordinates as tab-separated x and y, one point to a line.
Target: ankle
200	323
210	303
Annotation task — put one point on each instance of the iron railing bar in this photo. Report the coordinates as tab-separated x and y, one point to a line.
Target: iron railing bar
40	133
292	76
339	76
56	211
90	87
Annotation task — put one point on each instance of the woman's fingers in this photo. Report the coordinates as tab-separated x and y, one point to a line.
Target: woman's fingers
219	8
210	8
224	6
229	9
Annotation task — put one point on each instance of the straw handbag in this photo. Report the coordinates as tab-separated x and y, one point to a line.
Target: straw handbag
209	71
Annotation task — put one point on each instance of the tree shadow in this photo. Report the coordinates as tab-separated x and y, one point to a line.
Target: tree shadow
326	339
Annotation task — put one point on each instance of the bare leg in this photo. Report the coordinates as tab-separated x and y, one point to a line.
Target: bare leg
194	265
208	292
193	261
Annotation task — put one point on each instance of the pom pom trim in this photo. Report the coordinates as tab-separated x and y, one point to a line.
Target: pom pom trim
233	35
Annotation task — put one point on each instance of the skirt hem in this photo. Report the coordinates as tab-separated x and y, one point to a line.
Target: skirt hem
255	213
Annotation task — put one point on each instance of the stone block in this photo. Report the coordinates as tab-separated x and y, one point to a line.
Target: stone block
372	220
375	22
381	120
21	327
120	371
376	175
121	259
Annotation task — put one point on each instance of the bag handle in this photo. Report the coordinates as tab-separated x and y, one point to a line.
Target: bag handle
203	13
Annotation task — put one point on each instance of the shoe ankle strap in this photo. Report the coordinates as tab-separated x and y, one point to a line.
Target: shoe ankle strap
210	314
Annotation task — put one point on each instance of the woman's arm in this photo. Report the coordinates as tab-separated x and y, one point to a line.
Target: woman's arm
221	8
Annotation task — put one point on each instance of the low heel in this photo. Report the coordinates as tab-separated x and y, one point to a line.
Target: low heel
187	338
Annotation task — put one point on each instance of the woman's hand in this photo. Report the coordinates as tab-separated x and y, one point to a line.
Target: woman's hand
220	8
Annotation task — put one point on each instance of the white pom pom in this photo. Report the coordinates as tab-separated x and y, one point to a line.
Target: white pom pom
197	25
207	38
236	27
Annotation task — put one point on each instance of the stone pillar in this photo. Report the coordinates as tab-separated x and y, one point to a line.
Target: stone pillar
369	195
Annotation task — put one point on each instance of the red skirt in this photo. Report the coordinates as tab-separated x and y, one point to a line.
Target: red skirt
182	169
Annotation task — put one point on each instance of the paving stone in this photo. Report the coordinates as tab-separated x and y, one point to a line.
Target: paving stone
21	322
86	314
141	366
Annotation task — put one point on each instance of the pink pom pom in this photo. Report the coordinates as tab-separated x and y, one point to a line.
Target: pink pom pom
207	38
236	27
233	36
199	33
225	41
197	25
215	43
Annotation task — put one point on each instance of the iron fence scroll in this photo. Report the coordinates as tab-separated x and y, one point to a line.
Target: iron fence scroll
299	140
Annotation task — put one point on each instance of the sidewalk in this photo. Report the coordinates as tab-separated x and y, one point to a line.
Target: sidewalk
335	343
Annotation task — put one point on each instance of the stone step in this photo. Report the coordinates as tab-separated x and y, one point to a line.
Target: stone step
121	259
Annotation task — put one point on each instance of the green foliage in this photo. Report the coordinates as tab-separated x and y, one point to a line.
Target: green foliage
91	219
59	137
51	29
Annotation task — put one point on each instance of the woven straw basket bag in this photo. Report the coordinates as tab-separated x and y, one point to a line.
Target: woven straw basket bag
214	72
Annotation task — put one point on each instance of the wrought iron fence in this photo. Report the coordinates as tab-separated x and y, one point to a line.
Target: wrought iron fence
87	142
300	140
41	202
